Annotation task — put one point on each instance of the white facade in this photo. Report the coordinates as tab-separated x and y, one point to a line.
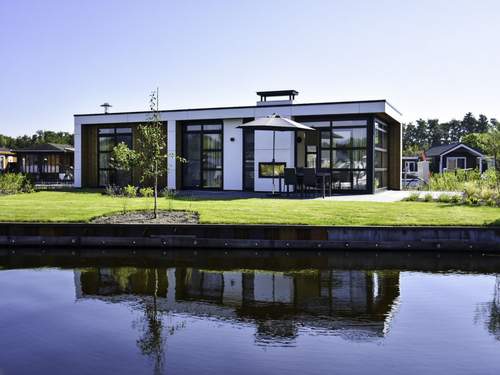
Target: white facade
232	136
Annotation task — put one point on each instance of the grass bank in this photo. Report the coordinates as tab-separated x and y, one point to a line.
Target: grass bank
83	206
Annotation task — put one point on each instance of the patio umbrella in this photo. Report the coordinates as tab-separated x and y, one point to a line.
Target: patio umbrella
274	123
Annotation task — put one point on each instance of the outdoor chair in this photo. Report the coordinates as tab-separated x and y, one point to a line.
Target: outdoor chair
309	182
290	179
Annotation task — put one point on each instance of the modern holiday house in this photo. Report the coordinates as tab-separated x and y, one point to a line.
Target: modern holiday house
357	143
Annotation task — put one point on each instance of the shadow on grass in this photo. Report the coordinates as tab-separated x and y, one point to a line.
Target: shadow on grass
71	190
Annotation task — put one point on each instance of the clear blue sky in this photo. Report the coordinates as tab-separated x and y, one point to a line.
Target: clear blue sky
429	58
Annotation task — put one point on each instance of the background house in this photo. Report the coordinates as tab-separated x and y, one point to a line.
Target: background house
454	156
47	163
7	159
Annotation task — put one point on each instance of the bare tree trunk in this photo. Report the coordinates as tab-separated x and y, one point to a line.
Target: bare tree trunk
156	192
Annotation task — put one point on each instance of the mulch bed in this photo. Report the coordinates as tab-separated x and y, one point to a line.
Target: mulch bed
146	217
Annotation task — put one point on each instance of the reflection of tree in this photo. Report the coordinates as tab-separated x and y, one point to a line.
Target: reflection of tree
489	312
152	343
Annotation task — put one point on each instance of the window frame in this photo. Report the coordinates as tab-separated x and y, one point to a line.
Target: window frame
111	132
330	124
383	128
456	158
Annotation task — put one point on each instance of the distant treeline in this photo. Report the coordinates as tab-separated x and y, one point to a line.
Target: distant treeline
417	136
41	136
427	133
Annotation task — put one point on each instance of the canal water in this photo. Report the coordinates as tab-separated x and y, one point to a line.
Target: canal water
276	313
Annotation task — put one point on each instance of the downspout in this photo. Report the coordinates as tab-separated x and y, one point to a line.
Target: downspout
440	163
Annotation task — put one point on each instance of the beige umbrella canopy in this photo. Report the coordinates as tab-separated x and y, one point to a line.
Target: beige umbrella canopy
274	123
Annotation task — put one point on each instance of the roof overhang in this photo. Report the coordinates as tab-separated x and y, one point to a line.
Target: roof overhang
477	153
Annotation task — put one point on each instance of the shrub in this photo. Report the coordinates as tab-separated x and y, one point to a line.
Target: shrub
413	197
146	192
169	194
15	183
112	190
493	202
456	198
428	197
472	200
130	191
454	180
486	193
444	198
471	190
490	178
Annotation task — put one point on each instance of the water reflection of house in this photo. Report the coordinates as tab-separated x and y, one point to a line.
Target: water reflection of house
357	304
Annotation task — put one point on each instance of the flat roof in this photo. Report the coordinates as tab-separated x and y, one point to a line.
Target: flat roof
242	107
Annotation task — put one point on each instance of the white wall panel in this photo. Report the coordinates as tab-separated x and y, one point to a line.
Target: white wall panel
284	153
171	150
77	170
233	155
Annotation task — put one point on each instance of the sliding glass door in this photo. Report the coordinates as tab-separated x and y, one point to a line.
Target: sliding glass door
339	147
202	148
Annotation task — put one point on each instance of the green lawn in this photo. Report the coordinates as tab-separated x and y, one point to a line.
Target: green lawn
83	206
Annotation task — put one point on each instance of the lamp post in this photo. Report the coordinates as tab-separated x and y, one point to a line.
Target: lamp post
106	107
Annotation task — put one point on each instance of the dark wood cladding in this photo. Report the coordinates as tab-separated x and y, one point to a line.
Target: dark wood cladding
395	153
89	156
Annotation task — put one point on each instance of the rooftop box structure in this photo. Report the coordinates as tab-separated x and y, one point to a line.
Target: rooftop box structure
357	143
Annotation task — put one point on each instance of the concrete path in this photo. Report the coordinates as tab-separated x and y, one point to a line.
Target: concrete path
386	196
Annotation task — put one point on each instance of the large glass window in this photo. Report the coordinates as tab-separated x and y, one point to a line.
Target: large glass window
341	150
108	139
381	162
349	154
202	148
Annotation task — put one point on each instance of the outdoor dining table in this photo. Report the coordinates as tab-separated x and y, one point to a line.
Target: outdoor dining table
325	179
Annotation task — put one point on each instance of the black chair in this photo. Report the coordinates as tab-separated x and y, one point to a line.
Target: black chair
309	180
290	179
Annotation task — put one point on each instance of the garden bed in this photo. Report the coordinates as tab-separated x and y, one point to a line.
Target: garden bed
146	217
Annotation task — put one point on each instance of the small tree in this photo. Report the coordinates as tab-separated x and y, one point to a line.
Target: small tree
150	156
490	143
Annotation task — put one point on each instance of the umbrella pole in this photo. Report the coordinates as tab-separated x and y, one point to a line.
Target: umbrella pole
274	134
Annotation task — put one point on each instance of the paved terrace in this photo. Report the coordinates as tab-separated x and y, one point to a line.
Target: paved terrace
384	196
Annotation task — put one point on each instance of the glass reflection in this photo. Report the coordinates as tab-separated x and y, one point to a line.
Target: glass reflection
356	305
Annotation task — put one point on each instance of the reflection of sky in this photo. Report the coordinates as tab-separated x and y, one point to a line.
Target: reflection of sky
44	329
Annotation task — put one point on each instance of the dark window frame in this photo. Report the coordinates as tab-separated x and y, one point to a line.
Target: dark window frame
351	171
111	133
380	126
202	130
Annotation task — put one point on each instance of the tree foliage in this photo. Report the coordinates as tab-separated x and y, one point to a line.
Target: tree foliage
150	155
41	136
423	134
